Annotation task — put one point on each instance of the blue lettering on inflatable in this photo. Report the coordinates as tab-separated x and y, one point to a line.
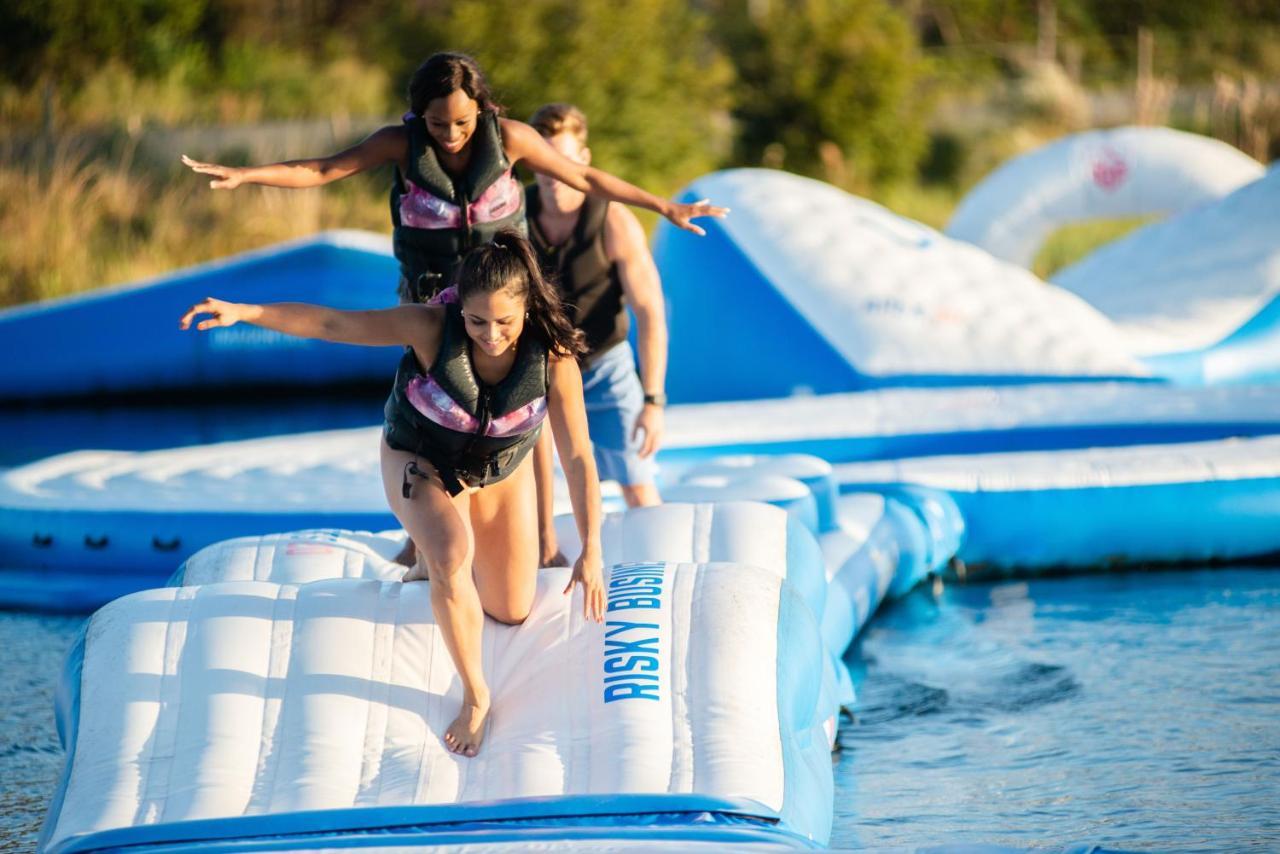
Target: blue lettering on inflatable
631	649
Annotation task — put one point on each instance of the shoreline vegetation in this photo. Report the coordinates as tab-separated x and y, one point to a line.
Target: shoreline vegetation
906	102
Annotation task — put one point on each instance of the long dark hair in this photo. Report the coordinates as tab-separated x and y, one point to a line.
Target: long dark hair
445	73
509	263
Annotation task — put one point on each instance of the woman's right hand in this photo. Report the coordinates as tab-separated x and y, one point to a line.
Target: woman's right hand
220	314
588	570
224	177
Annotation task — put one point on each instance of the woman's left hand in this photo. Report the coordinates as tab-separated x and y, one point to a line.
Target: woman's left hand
221	313
680	214
588	571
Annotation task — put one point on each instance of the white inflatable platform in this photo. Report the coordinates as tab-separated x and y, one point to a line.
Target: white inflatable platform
240	705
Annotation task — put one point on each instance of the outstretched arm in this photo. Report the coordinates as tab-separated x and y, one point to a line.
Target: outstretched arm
549	553
385	145
524	143
568	414
406	325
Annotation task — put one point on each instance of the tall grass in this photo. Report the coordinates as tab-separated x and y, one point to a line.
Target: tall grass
75	222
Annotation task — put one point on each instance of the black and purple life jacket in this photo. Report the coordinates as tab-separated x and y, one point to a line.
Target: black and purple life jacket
437	218
474	434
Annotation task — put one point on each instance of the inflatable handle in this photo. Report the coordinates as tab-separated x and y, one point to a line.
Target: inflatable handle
92	542
165	545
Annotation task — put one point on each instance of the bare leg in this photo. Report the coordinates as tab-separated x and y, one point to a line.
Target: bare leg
439	526
640	494
505	522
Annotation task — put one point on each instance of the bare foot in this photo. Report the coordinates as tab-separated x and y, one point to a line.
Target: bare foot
467	730
417	572
408	555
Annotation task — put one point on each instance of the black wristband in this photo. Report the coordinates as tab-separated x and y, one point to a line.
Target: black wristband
658	399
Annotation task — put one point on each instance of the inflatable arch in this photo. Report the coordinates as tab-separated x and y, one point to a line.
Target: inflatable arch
1197	295
1100	174
805	288
1097	174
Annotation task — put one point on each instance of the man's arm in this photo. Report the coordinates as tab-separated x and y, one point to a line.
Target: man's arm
626	246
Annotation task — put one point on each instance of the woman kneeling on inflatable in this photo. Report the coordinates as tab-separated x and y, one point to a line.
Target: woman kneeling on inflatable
485	365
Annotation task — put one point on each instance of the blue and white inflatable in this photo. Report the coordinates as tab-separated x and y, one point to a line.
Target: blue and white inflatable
82	528
126	339
1098	174
1196	296
805	288
241	702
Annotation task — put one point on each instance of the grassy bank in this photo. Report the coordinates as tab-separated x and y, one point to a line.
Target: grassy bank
76	222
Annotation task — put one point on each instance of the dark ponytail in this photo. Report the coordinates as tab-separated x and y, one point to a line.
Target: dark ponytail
445	73
509	263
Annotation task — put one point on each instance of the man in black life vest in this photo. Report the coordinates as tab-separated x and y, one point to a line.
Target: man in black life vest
597	253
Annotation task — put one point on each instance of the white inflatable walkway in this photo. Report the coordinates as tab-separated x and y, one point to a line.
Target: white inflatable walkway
235	709
1098	174
286	674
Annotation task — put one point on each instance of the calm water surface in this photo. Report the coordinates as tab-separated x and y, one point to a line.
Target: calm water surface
1135	710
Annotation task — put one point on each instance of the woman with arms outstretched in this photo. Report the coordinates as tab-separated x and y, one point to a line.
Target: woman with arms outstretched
481	371
453	187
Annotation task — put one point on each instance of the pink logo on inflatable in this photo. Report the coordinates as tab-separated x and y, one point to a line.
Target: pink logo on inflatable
1110	170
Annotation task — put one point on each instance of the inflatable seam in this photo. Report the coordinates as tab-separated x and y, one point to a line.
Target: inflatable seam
280	655
152	806
263	561
702	524
583	720
428	758
682	756
375	721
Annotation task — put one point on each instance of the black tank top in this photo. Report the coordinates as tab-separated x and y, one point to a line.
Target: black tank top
588	281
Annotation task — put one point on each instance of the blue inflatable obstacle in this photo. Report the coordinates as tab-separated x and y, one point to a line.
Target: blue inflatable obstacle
1101	507
245	703
79	529
126	339
82	528
804	288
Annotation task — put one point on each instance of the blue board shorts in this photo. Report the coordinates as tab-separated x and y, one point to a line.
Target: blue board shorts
614	398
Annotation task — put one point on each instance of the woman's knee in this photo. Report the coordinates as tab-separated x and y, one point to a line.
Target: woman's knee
445	556
510	611
506	603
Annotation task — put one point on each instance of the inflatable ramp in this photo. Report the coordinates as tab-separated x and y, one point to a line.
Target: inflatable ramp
826	292
136	346
311	715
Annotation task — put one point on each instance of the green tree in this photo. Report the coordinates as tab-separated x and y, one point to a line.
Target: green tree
69	39
825	86
654	88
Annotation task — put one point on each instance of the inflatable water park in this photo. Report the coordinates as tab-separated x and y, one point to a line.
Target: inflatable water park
876	406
